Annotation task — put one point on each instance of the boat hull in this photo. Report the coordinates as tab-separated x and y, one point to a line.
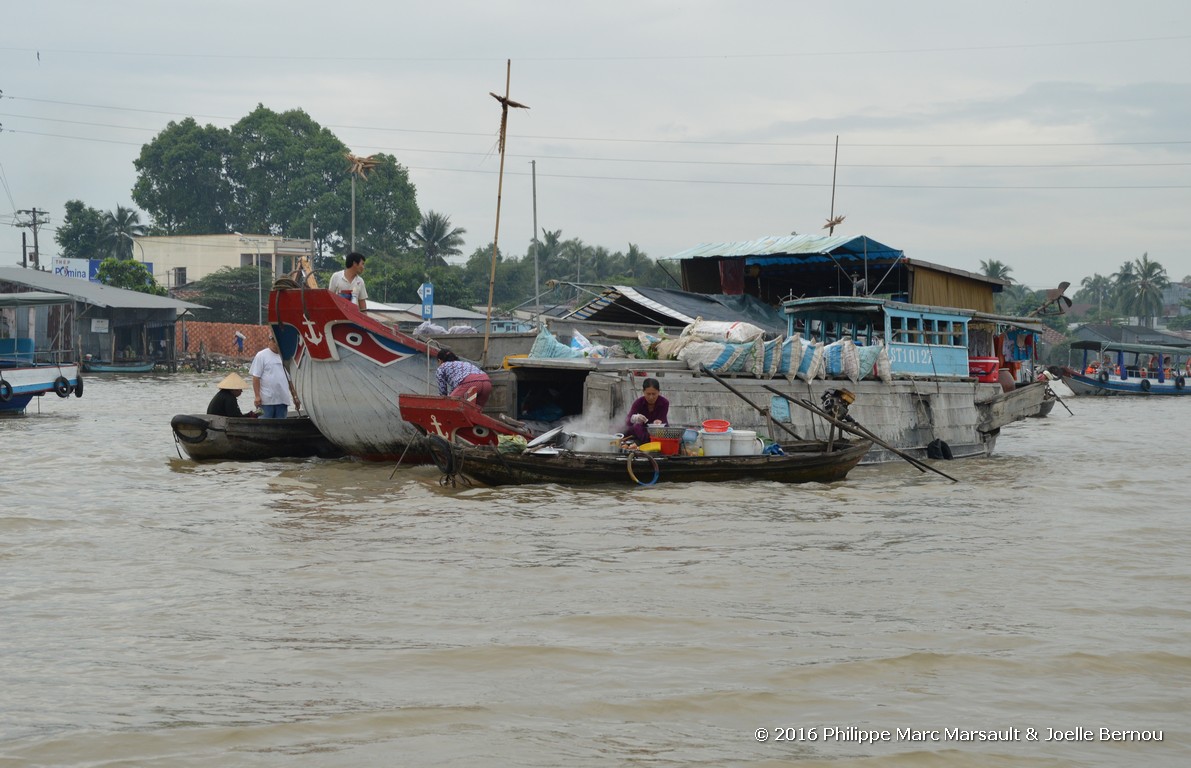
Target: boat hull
804	463
1084	385
206	437
131	367
349	371
20	383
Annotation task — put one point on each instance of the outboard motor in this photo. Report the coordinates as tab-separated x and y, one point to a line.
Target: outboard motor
835	403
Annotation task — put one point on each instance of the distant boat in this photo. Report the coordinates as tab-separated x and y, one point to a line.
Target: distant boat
207	437
129	366
23	376
1109	369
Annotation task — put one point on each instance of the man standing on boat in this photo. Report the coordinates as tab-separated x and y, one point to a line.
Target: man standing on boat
348	283
271	382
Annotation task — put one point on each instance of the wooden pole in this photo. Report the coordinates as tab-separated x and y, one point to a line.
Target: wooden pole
505	103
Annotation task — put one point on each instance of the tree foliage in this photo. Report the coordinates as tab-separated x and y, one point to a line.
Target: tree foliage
231	294
273	173
128	274
437	239
80	235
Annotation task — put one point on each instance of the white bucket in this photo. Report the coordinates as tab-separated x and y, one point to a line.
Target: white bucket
745	442
716	443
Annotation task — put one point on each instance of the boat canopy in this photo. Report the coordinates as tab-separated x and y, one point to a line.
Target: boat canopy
1117	346
33	299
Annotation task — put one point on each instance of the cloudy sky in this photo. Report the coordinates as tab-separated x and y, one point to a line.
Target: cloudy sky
1052	136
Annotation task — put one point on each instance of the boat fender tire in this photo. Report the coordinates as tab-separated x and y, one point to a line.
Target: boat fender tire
653	463
442	455
938	449
1179	382
5	391
1145	385
1102	376
189	421
78	388
61	386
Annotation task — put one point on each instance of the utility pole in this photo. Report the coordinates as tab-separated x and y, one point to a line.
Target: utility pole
34	224
537	289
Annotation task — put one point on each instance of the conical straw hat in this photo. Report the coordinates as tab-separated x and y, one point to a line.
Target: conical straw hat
233	381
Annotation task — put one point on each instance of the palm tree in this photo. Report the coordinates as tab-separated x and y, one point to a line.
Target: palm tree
119	229
1139	288
1096	288
436	239
996	270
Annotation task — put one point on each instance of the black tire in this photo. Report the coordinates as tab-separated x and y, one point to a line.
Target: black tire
78	388
61	387
189	421
1102	376
5	391
1145	385
1179	382
442	454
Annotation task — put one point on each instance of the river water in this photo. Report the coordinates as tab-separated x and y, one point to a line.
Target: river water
334	613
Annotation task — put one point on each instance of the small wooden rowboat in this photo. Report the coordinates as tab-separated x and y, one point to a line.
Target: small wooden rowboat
207	437
802	462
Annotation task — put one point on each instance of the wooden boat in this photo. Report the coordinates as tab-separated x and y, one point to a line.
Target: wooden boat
119	366
206	437
350	370
457	421
803	462
1124	369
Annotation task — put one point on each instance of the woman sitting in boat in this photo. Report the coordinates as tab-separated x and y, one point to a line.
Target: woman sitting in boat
224	403
461	379
650	408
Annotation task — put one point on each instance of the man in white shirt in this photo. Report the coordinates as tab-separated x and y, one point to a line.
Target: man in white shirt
271	384
348	283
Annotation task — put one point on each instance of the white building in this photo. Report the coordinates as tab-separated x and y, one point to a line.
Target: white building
180	259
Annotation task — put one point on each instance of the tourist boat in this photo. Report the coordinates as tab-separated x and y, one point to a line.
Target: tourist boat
26	373
1116	368
207	437
800	462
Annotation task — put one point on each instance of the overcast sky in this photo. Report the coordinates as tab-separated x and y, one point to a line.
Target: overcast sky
1052	136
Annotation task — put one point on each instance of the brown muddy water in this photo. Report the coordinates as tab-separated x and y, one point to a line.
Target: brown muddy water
322	613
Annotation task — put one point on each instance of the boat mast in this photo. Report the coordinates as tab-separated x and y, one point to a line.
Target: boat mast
505	103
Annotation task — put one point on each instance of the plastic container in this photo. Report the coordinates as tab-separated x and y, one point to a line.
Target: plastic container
745	442
716	443
594	442
716	425
983	369
670	445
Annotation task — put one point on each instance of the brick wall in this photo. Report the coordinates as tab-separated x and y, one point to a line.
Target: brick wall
220	339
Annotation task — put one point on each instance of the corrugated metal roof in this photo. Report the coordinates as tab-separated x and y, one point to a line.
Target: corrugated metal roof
792	245
91	293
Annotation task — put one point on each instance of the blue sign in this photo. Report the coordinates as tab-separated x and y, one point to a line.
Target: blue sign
426	293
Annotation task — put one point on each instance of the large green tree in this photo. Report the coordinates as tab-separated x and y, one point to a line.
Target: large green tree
274	173
80	235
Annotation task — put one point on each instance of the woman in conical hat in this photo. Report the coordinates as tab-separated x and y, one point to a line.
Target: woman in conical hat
224	403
